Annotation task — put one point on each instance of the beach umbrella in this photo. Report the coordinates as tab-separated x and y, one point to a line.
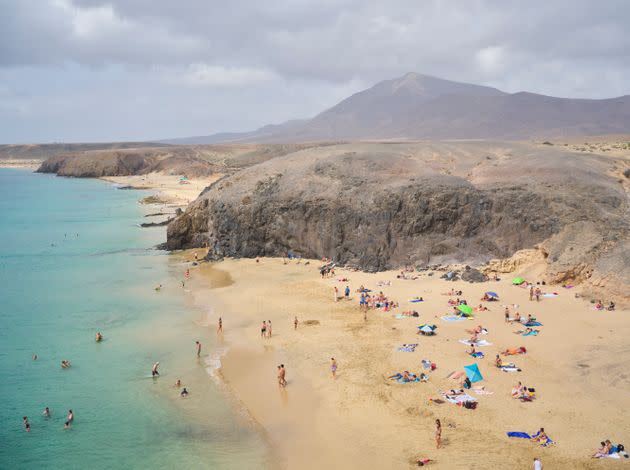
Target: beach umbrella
517	281
492	294
473	373
465	309
425	329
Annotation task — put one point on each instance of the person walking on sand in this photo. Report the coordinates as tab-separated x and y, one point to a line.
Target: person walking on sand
198	346
336	294
537	293
154	369
295	323
283	374
537	464
531	293
346	292
438	434
333	367
280	376
269	329
27	425
220	328
263	329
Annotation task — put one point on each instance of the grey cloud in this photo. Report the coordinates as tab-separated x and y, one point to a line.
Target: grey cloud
558	47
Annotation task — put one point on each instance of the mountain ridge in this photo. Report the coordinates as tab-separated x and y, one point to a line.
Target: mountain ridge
417	107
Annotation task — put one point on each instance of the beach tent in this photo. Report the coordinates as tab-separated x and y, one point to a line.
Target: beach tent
492	294
472	372
465	309
517	281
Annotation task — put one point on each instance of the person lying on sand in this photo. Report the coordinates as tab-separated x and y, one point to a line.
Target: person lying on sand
514	351
541	436
481	308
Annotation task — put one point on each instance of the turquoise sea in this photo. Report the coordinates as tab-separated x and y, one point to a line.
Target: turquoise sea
73	261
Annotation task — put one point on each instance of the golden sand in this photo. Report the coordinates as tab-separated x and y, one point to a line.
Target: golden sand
578	366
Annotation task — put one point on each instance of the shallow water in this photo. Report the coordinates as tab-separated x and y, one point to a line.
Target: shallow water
72	262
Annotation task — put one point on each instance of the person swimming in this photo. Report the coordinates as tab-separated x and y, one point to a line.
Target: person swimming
65	364
46	412
27	425
69	419
99	337
183	393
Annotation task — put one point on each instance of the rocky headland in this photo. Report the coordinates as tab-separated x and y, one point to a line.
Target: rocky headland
383	205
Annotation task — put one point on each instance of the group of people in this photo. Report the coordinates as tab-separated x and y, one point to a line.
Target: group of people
47	415
367	301
266	329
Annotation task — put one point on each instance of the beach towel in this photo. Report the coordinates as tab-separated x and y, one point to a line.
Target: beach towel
481	391
457	399
520	435
403	381
533	323
478	355
400	316
478	343
510	369
408	347
531	333
416	300
551	295
451	318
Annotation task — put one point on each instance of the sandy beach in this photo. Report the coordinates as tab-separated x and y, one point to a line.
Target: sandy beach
170	191
363	420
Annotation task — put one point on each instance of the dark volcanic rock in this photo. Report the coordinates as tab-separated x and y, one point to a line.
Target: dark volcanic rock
473	275
380	206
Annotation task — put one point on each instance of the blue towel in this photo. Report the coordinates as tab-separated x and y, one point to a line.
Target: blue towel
416	300
530	333
533	323
522	435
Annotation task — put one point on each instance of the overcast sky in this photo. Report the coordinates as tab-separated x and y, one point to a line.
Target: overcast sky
93	70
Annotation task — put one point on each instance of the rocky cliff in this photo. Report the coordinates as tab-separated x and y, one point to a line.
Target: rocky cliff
382	205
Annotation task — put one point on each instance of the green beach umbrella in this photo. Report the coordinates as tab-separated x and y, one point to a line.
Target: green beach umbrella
518	281
465	309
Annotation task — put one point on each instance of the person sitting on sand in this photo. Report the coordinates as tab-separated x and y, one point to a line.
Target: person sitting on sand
517	390
603	451
541	436
611	306
481	308
498	361
472	351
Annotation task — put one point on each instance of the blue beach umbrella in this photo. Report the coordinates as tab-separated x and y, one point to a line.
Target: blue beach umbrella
473	373
492	294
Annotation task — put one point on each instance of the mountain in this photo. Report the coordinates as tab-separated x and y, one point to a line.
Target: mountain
422	107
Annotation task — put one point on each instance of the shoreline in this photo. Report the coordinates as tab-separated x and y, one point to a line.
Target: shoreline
311	422
23	164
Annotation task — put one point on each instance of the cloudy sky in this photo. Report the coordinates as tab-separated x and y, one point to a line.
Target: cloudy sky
95	70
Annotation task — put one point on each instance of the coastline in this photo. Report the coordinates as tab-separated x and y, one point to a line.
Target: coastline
17	163
363	420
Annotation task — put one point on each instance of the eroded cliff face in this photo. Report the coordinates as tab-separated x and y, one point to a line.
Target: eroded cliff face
379	206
